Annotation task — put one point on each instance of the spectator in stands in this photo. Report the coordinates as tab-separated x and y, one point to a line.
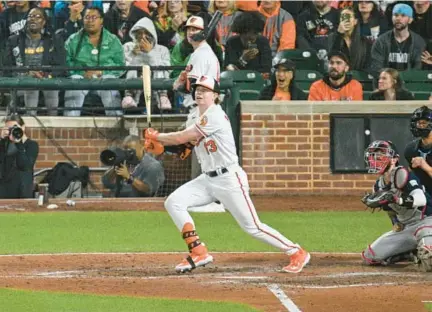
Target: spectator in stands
141	178
279	28
70	19
398	48
169	21
422	23
337	85
387	7
93	46
283	86
35	45
230	13
372	22
315	25
203	61
183	50
18	155
248	50
69	15
121	17
348	40
13	19
145	50
390	87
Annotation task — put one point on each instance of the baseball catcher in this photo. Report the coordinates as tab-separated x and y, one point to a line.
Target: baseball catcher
398	192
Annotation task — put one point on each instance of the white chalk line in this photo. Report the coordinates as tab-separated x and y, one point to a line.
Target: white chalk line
283	298
171	252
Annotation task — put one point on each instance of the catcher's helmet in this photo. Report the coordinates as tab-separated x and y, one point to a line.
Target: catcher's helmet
379	154
419	129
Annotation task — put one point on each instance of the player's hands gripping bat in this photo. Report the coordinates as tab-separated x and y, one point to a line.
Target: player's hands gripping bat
152	145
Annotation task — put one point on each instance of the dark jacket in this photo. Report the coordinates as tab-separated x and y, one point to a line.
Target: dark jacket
360	52
261	63
401	95
112	22
426	30
17	161
54	51
313	28
268	92
381	49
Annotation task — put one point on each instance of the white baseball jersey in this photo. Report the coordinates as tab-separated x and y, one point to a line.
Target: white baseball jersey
217	148
204	62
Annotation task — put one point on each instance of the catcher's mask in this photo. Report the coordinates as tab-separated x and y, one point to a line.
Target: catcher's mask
378	156
421	122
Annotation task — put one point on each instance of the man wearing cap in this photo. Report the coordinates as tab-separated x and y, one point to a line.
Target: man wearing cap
337	85
398	48
203	60
221	179
283	86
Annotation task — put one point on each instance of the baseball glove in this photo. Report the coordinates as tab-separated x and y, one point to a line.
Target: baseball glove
378	199
183	151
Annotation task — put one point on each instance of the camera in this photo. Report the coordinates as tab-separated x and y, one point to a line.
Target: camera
116	156
252	46
16	132
346	17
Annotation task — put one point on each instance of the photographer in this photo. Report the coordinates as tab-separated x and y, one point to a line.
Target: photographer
134	172
18	155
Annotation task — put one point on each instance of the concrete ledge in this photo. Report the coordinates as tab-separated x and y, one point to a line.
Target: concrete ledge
306	107
139	121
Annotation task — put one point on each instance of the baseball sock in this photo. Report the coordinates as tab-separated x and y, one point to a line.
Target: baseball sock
192	239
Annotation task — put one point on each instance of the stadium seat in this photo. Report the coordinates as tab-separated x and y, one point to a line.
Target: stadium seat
304	78
304	59
364	78
250	83
366	94
417	80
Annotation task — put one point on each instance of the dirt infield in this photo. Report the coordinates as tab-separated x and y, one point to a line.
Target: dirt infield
330	283
262	203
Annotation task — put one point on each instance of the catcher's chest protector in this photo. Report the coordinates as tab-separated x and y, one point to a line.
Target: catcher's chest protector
401	182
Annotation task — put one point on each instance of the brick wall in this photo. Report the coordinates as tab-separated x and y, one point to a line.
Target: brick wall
286	147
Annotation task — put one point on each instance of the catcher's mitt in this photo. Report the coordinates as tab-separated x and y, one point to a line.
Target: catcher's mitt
379	199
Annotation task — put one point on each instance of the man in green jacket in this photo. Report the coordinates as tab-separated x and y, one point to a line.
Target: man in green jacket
93	46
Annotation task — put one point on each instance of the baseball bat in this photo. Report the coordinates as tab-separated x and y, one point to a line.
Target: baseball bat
146	76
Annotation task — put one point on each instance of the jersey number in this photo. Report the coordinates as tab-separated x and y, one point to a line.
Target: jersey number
210	146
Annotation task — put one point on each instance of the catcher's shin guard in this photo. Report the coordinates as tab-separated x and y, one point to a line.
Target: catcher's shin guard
198	254
424	255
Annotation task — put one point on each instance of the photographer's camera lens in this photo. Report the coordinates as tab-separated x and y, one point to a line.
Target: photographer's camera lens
16	132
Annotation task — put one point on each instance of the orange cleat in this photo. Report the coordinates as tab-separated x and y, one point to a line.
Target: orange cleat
297	261
198	257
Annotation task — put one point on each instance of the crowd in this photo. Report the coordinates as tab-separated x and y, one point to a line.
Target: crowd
382	38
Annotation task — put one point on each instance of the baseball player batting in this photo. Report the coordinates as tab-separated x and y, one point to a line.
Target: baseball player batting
222	179
398	192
